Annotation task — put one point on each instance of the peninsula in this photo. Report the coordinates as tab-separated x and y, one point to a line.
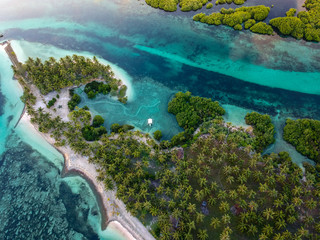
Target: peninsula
209	181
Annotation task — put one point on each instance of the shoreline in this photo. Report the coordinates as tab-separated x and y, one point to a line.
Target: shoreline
74	164
113	211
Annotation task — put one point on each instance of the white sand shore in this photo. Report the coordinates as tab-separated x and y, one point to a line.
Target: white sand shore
116	214
114	211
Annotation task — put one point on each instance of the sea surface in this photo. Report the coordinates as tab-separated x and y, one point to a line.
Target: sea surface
157	54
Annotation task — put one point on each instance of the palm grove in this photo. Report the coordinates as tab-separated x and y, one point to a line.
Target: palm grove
216	186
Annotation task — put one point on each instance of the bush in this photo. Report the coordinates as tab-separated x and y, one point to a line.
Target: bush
117	128
92	134
93	88
263	129
191	111
75	100
51	102
157	135
249	23
262	28
97	121
304	135
209	5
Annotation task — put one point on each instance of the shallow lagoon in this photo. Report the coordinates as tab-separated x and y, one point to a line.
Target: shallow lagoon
161	54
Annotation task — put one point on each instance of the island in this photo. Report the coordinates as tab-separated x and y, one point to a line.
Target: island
304	24
208	182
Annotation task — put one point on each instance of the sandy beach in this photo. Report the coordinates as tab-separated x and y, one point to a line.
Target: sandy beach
113	210
114	213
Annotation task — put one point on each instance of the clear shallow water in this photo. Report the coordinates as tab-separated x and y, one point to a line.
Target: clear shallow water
35	202
150	101
161	53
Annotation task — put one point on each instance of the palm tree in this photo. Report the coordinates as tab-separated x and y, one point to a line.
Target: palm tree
267	230
280	223
268	213
263	236
242	227
191	225
199	217
191	208
252	229
215	222
226	219
202	234
224	206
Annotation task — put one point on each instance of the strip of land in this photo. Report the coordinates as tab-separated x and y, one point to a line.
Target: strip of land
114	213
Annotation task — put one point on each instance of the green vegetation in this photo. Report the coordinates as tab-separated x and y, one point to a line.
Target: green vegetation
91	133
216	186
190	112
261	28
53	75
263	130
171	5
304	134
209	5
167	5
157	135
291	12
236	17
117	128
249	23
97	121
305	25
237	2
51	102
189	5
74	101
93	88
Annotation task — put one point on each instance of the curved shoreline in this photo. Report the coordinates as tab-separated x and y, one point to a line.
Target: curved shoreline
113	211
74	164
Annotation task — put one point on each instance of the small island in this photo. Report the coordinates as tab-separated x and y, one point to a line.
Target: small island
208	182
301	25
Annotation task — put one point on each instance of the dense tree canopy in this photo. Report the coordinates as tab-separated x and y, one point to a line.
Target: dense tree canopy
304	134
97	121
263	129
93	88
171	5
215	188
191	111
304	25
53	75
236	17
117	128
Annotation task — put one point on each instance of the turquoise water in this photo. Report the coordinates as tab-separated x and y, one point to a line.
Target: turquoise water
35	202
150	101
157	54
